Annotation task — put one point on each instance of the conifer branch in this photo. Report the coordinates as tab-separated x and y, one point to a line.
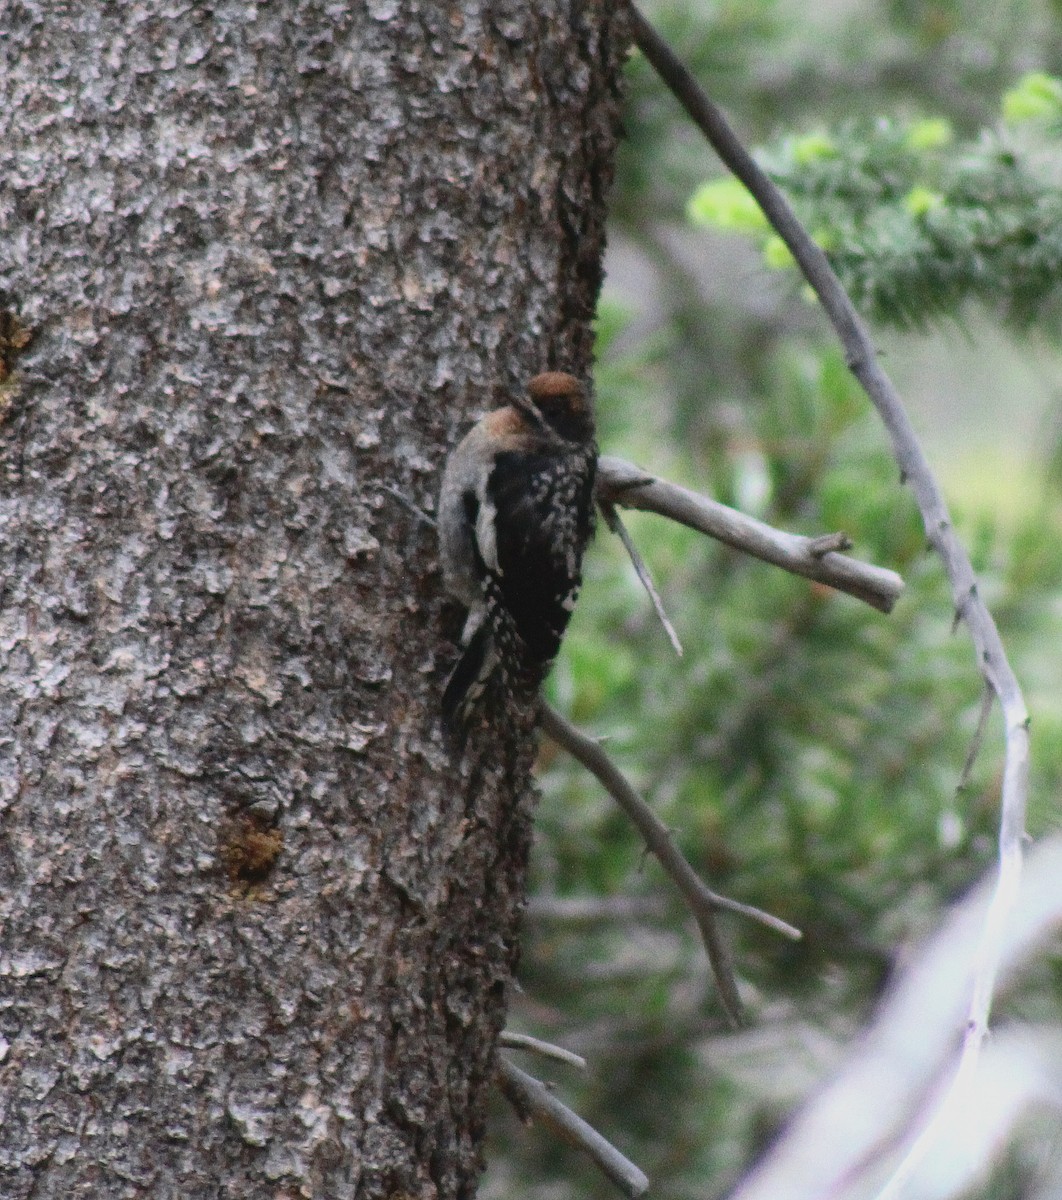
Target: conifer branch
914	225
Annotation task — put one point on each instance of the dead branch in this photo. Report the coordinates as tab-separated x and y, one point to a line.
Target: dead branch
845	1137
622	483
987	700
700	899
532	1099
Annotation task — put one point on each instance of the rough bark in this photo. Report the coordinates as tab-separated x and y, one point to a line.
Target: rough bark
257	923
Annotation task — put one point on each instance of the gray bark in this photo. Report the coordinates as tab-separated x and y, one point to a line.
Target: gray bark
257	923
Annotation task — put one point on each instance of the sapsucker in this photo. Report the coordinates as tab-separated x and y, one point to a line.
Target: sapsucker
516	511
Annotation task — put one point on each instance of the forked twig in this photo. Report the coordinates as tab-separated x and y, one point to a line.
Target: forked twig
700	899
531	1098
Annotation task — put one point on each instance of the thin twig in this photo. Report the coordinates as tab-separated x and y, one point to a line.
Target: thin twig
988	698
620	482
701	900
524	1041
418	512
992	660
612	519
531	1098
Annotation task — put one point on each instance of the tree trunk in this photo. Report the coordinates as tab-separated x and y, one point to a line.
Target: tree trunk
259	921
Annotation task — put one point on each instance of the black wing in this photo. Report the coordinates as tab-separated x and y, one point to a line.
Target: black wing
544	518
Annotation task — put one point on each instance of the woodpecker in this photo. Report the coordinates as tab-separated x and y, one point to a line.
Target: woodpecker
516	511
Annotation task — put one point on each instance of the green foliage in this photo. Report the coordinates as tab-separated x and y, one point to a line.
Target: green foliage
915	223
1037	97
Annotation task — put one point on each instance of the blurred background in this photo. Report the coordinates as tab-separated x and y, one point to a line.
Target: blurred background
806	750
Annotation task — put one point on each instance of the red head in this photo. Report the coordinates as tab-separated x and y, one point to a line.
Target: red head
563	404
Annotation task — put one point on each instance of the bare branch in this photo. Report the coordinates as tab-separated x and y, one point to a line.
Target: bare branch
614	522
620	482
531	1098
842	1141
701	900
524	1041
914	468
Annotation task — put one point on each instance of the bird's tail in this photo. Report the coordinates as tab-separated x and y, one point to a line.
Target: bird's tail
468	680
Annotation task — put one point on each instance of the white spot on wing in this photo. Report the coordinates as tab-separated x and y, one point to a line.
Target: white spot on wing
486	535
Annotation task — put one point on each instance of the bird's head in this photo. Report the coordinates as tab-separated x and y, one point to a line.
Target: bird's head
563	405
